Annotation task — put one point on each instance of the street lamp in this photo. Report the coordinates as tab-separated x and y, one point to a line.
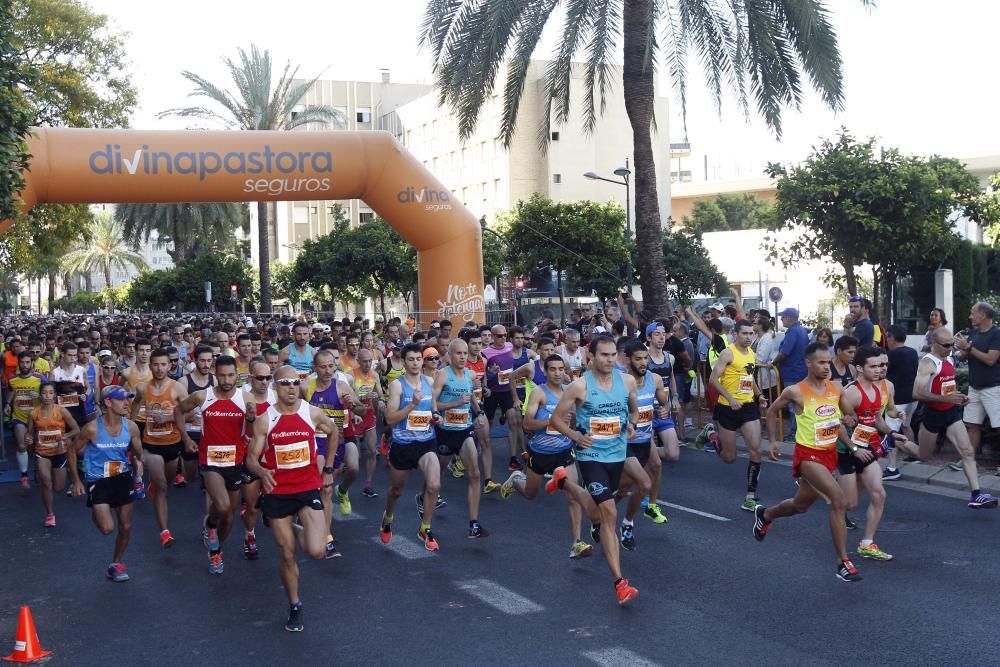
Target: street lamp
624	173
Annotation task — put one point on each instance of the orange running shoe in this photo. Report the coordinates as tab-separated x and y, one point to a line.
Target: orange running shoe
166	539
552	485
625	591
428	539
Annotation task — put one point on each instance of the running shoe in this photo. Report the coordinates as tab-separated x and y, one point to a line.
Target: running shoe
25	484
344	500
957	466
688	422
712	446
983	501
645	502
50	520
331	551
215	563
294	622
580	550
166	539
491	487
760	524
750	504
456	468
627	537
847	572
476	531
552	485
507	488
385	533
419	501
427	537
625	591
654	513
369	492
595	532
117	573
890	474
873	552
212	539
179	480
514	464
440	503
849	522
250	547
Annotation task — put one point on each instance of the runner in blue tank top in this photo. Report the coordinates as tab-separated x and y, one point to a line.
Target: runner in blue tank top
664	428
299	353
105	444
606	412
453	398
549	450
410	412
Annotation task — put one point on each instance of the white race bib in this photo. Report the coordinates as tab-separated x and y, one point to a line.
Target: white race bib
419	420
745	385
49	438
503	377
114	468
826	433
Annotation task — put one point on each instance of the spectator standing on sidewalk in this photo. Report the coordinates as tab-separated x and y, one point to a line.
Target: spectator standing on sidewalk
982	350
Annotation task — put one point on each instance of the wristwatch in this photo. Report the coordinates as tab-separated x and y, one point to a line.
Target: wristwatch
854	449
328	470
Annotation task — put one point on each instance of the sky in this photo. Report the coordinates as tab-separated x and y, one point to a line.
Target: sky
917	73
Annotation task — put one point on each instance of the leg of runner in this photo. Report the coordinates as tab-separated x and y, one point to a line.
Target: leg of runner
751	435
154	465
486	453
220	517
251	492
515	434
580	548
348	473
43	476
871	479
370	442
20	430
312	538
561	480
669	450
397	484
959	437
326	495
468	456
727	443
431	468
634	475
105	522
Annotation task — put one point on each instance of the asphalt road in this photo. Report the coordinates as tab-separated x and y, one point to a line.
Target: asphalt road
709	592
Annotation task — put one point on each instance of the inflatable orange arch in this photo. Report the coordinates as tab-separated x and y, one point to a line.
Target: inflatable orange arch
83	166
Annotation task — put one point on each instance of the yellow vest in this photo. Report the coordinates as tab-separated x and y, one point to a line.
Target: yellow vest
737	377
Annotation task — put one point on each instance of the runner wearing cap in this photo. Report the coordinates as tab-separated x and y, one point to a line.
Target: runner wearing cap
50	428
105	444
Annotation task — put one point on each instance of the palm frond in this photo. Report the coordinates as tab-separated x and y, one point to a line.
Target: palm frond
603	37
559	72
529	31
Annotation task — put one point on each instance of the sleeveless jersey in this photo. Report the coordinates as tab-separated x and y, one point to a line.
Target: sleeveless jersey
479	368
884	388
603	414
865	434
548	440
290	451
819	424
664	369
222	440
75	379
416	427
192	387
646	397
942	384
50	432
504	358
161	404
91	382
737	377
242	373
364	384
391	373
519	361
574	362
459	417
329	402
107	455
25	390
301	361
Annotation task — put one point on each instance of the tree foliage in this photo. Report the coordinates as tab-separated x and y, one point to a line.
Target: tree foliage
193	229
494	252
105	250
730	212
183	288
989	211
15	115
854	203
690	271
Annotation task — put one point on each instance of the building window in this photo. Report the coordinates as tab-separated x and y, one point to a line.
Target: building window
364	115
557	178
555	136
364	217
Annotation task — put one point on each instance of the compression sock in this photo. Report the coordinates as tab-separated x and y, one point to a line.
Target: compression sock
753	475
22	462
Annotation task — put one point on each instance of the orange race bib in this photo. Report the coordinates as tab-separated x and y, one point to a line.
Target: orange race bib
503	377
825	433
456	417
575	372
113	468
222	456
68	400
645	416
948	387
478	394
23	402
521	382
154	429
746	385
49	438
295	455
605	428
862	435
303	375
418	420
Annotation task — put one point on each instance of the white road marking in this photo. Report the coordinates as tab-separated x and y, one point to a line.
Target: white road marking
662	503
353	516
616	657
408	549
498	597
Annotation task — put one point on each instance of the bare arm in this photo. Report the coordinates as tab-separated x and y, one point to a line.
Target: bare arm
791	395
394	412
535	400
573	394
72	428
252	460
725	358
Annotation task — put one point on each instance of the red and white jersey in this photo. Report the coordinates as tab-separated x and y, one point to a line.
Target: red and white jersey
223	421
942	384
290	450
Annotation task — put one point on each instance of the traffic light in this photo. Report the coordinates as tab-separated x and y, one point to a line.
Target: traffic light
232	289
520	283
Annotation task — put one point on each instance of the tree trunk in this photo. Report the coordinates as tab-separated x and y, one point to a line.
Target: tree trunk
562	300
852	279
88	281
381	300
637	79
52	291
38	294
264	253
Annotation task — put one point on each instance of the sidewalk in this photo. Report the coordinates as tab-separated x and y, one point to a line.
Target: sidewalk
933	473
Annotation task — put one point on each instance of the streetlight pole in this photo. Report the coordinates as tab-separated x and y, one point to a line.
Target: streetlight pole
624	173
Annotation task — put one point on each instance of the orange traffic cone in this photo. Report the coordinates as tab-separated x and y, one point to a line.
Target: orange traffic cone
26	646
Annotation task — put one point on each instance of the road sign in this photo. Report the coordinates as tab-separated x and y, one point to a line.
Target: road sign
775	294
208	291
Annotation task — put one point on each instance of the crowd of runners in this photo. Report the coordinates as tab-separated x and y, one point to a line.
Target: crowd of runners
281	420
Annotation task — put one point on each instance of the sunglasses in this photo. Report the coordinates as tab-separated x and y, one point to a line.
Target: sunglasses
216	356
263	378
944	344
109	368
288	382
174	361
431	358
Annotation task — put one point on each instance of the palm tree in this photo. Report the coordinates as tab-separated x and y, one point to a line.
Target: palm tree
107	249
10	288
759	50
193	228
256	105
